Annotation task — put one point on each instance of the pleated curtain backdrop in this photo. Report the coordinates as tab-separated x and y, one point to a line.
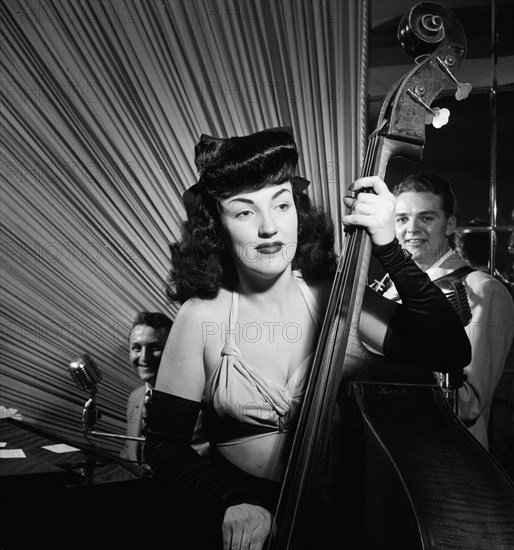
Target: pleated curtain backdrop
102	103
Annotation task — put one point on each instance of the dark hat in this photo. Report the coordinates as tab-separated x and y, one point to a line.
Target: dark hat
229	165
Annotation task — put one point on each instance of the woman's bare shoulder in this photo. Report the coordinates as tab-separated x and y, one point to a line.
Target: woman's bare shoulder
182	370
199	309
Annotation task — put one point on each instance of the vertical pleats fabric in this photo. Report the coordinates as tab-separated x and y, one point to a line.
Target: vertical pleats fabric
102	103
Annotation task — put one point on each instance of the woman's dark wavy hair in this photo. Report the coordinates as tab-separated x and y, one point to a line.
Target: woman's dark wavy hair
201	264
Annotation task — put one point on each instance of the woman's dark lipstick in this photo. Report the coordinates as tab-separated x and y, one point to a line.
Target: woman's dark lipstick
269	248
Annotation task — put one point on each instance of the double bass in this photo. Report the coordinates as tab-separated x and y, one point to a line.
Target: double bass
379	460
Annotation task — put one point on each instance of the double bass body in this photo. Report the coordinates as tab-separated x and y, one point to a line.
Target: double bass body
379	460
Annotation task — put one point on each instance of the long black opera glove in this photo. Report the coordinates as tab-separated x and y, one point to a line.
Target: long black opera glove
426	323
171	423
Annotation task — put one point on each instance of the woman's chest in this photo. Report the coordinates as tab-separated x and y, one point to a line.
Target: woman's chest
272	346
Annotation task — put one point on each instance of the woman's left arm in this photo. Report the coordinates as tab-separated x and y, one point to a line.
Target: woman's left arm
425	324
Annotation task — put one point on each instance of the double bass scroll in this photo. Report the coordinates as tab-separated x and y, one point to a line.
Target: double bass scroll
324	495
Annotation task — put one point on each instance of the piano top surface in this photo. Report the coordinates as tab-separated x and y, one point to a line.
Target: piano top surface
85	466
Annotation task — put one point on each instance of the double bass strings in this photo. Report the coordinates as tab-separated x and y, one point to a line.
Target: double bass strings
352	240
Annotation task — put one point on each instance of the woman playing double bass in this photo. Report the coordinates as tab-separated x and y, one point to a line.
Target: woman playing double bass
252	273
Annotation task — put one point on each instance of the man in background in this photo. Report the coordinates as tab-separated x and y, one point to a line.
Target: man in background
147	338
425	214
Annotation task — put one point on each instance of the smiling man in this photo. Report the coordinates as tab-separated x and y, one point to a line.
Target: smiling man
147	338
425	220
425	214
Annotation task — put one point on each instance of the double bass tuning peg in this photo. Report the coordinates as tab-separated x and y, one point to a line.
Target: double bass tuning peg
463	89
437	117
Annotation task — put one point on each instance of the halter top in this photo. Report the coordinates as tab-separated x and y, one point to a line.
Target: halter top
248	416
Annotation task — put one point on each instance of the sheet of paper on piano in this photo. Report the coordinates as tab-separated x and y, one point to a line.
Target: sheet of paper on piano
60	448
12	453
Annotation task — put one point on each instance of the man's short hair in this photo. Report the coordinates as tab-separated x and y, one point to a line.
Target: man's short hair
429	182
154	319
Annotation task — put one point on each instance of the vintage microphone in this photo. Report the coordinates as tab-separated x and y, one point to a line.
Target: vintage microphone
85	373
86	376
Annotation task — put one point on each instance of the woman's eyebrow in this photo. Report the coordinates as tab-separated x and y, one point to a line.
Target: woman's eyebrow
249	201
240	199
280	191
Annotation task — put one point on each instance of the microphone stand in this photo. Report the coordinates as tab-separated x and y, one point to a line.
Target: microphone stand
86	375
118	436
90	415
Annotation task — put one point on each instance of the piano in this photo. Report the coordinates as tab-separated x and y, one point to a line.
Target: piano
80	498
89	499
